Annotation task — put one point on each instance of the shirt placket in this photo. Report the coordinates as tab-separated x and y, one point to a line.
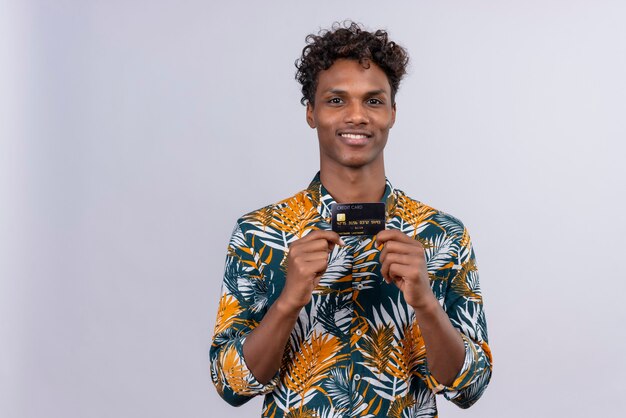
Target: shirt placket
357	293
357	324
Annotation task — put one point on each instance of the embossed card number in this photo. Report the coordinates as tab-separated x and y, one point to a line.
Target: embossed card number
358	218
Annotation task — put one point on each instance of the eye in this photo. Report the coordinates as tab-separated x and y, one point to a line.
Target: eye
335	100
374	101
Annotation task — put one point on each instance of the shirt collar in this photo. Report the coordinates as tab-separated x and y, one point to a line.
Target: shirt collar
323	200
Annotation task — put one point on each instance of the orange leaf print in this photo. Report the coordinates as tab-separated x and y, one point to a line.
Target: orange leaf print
262	216
413	212
302	413
312	363
377	347
234	371
227	312
400	405
460	283
408	353
295	216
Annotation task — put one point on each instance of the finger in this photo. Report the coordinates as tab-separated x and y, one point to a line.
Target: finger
310	246
318	266
395	247
384	271
392	234
400	271
393	272
322	255
397	258
398	242
329	236
308	269
313	257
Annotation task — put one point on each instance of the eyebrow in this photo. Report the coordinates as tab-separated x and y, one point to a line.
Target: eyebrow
369	93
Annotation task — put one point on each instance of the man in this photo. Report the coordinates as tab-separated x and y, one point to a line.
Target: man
356	325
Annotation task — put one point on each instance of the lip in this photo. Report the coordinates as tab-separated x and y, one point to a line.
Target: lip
354	137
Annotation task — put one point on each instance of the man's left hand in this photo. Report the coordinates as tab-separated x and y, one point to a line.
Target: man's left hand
403	262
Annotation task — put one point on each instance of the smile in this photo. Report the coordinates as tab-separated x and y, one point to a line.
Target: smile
357	139
354	136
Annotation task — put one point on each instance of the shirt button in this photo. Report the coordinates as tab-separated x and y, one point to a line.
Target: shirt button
359	332
357	377
359	286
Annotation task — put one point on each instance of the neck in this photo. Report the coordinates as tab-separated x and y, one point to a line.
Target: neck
354	185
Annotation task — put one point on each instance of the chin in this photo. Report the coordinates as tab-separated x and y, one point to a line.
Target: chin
354	163
358	161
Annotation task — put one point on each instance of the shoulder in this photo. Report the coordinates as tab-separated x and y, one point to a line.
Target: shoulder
426	218
267	215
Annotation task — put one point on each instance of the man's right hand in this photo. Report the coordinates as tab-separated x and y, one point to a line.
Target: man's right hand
307	261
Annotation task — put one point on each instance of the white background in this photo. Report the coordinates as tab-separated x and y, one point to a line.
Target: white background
134	134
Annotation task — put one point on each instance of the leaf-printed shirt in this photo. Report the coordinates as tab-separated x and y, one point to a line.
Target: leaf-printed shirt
356	349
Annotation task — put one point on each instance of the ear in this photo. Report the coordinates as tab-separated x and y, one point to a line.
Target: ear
393	115
309	115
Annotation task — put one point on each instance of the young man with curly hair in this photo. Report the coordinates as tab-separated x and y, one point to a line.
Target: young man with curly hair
354	325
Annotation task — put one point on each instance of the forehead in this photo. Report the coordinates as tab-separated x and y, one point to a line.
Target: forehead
352	77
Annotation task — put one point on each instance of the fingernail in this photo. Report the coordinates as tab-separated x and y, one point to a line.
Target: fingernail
341	242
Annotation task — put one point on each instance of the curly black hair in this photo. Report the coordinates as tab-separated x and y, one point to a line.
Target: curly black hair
349	41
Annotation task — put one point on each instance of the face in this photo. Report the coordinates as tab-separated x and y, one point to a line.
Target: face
353	113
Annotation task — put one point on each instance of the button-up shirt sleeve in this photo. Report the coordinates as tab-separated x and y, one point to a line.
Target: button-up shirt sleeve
241	307
463	304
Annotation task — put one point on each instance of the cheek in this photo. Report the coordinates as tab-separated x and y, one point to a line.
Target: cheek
386	127
326	129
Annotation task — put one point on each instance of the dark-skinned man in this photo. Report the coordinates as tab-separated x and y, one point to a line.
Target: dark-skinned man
358	324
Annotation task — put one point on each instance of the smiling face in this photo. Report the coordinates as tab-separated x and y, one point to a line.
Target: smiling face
353	113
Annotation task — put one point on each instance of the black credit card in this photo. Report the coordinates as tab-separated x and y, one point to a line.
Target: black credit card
358	218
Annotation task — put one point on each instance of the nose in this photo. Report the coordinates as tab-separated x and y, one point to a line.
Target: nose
356	114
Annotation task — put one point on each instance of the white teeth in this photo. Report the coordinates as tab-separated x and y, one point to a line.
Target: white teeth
354	136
